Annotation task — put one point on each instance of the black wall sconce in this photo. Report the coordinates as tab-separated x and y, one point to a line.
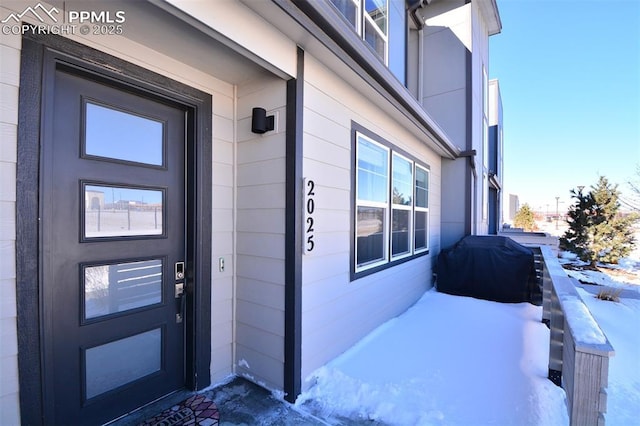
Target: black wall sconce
260	122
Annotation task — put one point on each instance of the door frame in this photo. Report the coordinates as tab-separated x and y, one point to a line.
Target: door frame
39	57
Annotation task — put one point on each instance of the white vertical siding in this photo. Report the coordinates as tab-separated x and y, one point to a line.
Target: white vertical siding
260	236
336	312
222	291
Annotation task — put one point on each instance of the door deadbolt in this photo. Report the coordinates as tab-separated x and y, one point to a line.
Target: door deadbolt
179	270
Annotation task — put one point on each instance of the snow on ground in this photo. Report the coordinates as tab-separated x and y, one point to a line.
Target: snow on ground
447	360
620	321
462	361
626	274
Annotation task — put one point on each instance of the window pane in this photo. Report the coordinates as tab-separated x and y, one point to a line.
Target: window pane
400	232
374	38
402	181
122	286
422	187
370	235
372	187
348	9
122	361
115	134
372	172
421	230
118	211
377	10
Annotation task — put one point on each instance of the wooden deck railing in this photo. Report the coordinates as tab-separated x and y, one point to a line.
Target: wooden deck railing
579	351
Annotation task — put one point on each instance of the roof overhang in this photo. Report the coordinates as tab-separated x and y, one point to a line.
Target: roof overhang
489	9
323	33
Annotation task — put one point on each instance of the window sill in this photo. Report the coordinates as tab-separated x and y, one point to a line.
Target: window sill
357	274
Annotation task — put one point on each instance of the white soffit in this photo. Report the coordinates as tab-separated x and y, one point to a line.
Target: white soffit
489	9
458	20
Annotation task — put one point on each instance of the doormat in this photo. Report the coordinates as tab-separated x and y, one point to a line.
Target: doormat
195	411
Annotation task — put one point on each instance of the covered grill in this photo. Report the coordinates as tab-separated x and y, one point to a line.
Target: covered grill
491	268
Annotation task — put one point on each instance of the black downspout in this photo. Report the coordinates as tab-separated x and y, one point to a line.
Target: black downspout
293	239
413	8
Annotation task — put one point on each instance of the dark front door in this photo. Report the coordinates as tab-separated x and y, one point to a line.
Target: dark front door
113	247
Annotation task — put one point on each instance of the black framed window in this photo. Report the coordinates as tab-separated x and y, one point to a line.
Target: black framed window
391	205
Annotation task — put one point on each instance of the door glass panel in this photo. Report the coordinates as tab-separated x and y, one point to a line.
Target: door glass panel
120	287
120	362
123	136
111	211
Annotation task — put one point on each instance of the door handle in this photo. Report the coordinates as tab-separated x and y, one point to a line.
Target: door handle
181	302
179	290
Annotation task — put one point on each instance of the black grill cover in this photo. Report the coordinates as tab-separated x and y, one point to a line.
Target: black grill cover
489	267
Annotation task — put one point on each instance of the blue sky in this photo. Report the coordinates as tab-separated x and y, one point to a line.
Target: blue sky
569	73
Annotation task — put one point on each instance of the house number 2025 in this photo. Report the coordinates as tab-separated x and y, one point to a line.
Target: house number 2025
309	218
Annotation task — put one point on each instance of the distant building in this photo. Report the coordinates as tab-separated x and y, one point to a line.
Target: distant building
94	200
513	207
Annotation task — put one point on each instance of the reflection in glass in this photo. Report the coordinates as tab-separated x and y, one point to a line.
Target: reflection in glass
400	232
122	286
402	181
373	172
375	26
348	9
375	39
422	185
123	136
122	361
377	10
421	231
370	235
111	211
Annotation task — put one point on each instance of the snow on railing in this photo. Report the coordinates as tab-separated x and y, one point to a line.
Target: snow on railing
579	351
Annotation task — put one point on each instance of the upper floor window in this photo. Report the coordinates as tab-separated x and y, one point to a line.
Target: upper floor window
382	24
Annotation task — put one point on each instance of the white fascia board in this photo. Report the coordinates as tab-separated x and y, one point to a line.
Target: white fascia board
489	10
